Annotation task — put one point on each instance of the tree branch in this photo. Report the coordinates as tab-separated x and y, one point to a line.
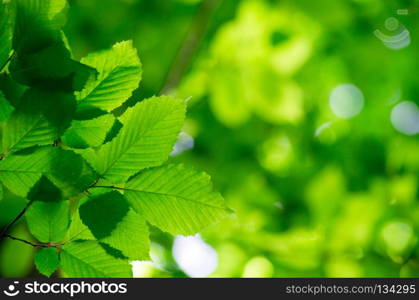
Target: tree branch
30	243
15	220
7	61
108	187
190	45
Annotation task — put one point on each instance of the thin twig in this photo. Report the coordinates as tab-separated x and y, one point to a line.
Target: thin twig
20	215
94	183
190	44
7	61
108	187
30	243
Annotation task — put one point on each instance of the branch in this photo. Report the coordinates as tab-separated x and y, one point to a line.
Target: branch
20	215
190	45
107	187
30	243
7	61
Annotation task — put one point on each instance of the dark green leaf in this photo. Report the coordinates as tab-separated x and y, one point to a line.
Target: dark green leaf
5	33
38	24
51	68
102	213
5	108
47	261
39	119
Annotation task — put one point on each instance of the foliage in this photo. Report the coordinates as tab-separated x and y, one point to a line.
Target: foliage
317	190
92	178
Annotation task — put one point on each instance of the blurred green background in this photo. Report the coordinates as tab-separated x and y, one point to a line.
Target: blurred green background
305	114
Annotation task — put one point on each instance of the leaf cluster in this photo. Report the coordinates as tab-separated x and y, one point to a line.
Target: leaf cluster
93	179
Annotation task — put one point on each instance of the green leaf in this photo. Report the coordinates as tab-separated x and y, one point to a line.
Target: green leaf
51	68
68	171
39	119
38	24
88	259
124	229
20	172
5	108
149	132
45	190
116	127
47	261
43	58
12	90
131	236
5	33
176	199
95	213
88	133
48	221
77	230
119	75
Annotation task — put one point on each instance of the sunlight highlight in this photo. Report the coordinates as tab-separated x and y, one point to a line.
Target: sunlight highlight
195	257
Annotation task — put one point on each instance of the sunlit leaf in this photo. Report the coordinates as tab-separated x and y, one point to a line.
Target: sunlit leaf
88	133
88	259
119	75
48	220
149	132
176	199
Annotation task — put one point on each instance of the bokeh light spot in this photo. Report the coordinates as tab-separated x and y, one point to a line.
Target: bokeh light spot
398	238
195	257
258	267
184	143
405	118
346	101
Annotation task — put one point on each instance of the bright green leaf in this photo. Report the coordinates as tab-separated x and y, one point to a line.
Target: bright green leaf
48	221
88	133
19	173
77	230
88	259
119	75
149	132
176	199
